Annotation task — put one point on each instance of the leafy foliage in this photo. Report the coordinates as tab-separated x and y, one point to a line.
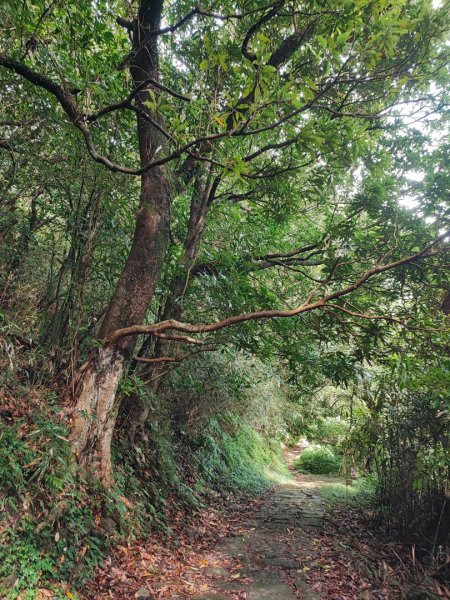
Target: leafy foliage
301	147
232	457
319	461
49	530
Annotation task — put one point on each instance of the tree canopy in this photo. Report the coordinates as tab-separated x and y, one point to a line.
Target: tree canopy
273	144
222	223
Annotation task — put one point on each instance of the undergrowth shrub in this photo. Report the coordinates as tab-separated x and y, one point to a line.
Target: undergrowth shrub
319	460
330	430
50	523
150	475
233	457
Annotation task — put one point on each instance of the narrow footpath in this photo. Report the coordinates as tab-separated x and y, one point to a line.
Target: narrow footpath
272	547
270	550
283	546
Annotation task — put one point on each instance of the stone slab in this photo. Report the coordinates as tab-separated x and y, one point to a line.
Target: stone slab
270	591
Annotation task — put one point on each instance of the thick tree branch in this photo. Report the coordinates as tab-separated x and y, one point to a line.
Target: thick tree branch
159	359
68	104
180	338
62	95
289	263
80	120
254	28
274	314
126	103
124	23
290	45
295	252
288	260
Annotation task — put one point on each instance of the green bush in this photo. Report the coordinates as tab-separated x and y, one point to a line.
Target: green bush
227	413
47	515
318	461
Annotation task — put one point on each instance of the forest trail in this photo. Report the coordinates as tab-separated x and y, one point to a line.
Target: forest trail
262	555
271	549
285	545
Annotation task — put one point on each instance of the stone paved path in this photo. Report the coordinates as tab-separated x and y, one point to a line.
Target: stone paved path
270	550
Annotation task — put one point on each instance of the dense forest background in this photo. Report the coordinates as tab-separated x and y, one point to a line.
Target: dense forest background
223	227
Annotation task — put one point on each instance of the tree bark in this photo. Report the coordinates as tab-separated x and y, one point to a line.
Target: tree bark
203	193
96	412
96	404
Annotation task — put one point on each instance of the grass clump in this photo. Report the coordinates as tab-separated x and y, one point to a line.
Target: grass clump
319	460
358	493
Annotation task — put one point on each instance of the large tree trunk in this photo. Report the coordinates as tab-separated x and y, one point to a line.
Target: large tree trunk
204	190
96	405
95	413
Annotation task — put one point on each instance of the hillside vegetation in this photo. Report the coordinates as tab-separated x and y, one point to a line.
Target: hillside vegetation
224	231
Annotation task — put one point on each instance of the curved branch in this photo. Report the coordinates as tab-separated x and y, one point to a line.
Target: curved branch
295	252
68	104
176	359
80	120
172	324
126	102
180	338
254	28
62	95
159	359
